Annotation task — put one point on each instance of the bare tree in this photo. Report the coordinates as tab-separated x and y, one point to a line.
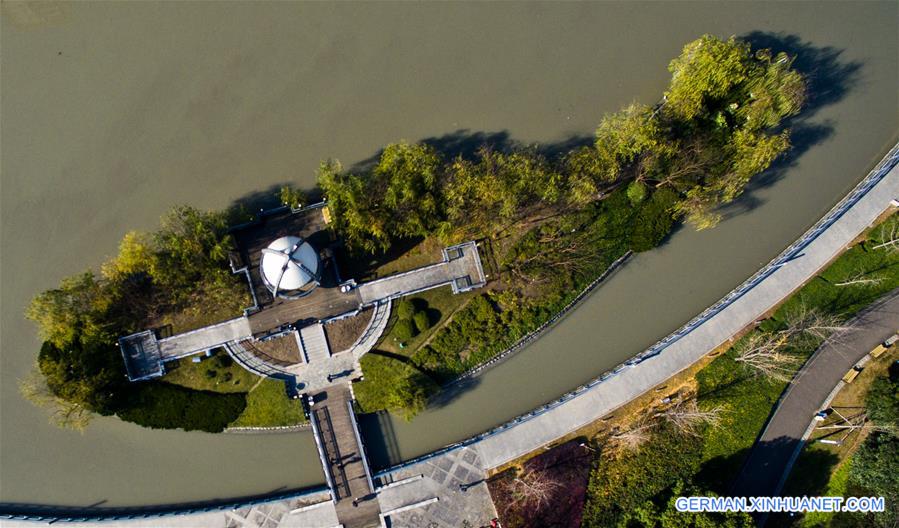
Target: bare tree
890	239
63	413
858	278
764	353
533	488
810	323
689	419
772	354
633	438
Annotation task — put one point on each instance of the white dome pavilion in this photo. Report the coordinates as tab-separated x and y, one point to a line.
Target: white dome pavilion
290	267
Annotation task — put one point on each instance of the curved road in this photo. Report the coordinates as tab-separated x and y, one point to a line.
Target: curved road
770	461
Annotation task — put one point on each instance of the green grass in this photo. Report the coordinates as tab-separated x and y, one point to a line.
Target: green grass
228	375
747	399
439	304
269	406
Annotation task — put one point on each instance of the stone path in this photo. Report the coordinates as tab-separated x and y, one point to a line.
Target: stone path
314	344
440	477
460	268
205	338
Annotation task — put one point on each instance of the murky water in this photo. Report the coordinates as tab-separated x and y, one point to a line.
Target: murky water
114	112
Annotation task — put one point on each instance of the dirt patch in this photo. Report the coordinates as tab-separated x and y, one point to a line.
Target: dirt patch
548	490
284	350
342	334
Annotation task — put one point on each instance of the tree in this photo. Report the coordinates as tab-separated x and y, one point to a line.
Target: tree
410	175
633	438
291	197
421	321
354	210
623	136
71	309
778	354
192	249
405	309
499	185
533	489
63	413
704	76
585	169
403	330
689	419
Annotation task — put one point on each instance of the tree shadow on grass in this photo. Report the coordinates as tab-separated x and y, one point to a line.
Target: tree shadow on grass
829	78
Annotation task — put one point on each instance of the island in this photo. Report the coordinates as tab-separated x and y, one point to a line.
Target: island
222	313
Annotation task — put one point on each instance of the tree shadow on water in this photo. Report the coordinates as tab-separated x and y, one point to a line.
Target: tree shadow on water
828	77
466	143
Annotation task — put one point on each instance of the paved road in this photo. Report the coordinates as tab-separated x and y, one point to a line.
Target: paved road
770	457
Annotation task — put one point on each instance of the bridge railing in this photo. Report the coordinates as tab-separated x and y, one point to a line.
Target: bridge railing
67	514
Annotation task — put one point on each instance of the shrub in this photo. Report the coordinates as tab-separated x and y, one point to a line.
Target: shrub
211	374
421	321
403	329
405	309
636	192
654	221
223	360
164	406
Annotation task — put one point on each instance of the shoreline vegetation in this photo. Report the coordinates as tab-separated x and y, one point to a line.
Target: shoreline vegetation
551	226
692	435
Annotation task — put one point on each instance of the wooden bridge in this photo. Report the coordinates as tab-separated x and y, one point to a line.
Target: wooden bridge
343	457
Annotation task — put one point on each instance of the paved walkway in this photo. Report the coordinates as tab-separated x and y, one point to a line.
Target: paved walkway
768	463
461	268
630	381
205	338
440	478
591	402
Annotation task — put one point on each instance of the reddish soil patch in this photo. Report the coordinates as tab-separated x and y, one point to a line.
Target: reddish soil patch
549	491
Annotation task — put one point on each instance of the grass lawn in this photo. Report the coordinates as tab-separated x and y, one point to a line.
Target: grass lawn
439	304
269	406
218	373
429	251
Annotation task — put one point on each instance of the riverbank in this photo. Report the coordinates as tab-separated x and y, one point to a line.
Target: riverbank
718	325
215	153
843	225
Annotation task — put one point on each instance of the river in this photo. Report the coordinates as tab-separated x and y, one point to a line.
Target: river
114	112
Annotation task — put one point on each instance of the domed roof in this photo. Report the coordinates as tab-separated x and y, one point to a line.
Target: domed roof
289	263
